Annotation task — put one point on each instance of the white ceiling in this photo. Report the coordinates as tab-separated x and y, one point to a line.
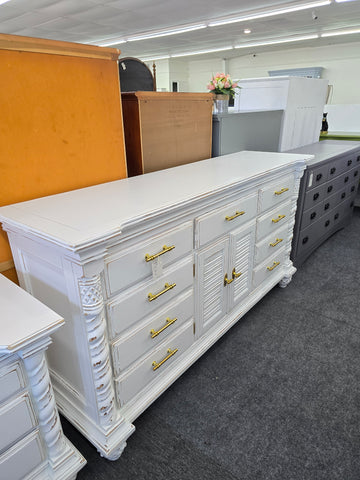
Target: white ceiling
100	21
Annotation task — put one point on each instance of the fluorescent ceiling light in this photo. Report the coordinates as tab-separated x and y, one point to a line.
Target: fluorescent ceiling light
273	42
201	51
111	42
340	32
149	59
164	33
270	13
4	1
341	1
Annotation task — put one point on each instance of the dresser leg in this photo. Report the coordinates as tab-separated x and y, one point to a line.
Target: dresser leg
116	453
284	282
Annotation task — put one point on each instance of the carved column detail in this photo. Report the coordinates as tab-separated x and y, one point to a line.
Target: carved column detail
93	308
49	421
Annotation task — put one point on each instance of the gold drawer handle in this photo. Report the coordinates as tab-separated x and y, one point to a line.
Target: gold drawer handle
227	280
165	249
235	275
283	190
168	287
170	352
169	321
237	214
275	264
276	220
277	241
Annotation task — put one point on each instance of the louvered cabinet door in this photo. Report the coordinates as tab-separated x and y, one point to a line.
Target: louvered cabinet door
240	264
211	293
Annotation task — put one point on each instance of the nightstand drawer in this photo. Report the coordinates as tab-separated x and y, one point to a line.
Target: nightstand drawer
214	224
271	221
269	268
11	381
136	263
276	193
151	368
16	419
127	309
128	348
271	244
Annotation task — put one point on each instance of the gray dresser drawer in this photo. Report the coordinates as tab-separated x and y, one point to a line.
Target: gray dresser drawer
312	215
315	196
317	176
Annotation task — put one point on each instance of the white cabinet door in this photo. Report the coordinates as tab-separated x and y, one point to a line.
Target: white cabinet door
211	294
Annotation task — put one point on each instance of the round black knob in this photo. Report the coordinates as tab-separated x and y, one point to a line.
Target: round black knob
318	177
356	173
358	158
343	195
332	170
351	204
313	215
316	196
327	223
349	163
336	216
330	187
346	179
353	188
305	239
326	206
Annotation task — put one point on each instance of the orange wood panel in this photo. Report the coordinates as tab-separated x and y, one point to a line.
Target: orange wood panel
61	125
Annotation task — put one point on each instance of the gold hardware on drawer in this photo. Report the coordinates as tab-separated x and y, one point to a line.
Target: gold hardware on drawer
276	220
227	280
283	190
235	275
277	241
275	264
169	321
170	352
237	214
167	287
165	249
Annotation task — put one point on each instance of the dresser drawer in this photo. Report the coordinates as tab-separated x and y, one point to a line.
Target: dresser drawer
136	263
312	215
214	224
277	192
158	361
271	244
21	459
11	381
315	196
150	333
317	176
16	419
271	221
269	268
139	302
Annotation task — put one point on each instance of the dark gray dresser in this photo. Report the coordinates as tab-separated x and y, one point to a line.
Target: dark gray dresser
327	194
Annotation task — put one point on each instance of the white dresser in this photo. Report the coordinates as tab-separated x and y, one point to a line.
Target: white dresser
32	443
148	273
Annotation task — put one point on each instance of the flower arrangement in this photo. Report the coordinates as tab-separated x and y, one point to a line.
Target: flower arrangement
222	84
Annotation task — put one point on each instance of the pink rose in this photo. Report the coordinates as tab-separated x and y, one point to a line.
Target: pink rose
227	85
211	87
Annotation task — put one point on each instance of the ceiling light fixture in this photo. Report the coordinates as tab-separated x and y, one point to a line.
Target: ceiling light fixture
201	51
247	31
4	1
273	42
339	32
150	59
269	13
115	41
164	33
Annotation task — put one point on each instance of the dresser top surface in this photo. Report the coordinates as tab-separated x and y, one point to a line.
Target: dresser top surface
23	318
327	149
77	218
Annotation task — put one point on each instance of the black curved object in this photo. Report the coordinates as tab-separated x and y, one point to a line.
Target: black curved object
135	75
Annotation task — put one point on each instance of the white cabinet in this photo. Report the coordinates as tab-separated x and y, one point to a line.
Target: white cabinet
148	273
32	444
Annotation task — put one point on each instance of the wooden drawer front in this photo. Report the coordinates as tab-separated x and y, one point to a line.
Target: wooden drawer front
276	193
315	196
271	221
128	348
225	219
135	379
269	268
128	308
271	244
317	176
125	269
16	419
19	461
312	215
11	381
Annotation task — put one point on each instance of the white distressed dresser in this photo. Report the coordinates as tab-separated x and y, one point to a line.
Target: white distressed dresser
148	273
32	443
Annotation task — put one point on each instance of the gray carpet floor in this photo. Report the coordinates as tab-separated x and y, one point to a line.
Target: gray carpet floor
278	397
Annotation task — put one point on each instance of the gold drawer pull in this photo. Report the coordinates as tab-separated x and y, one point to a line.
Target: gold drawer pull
170	352
283	190
277	241
227	280
235	275
169	321
276	220
275	264
237	214
168	287
165	249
